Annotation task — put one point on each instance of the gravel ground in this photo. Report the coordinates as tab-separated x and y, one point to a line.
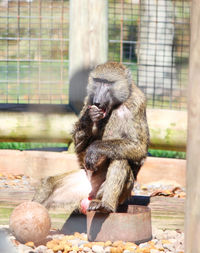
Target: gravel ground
21	182
159	189
18	182
165	241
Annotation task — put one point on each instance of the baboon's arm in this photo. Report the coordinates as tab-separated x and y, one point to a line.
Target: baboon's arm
132	145
115	149
82	133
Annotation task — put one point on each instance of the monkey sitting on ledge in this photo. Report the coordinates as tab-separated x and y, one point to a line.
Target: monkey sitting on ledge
111	138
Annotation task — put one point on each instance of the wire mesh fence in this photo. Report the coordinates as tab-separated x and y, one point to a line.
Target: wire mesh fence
153	36
34	51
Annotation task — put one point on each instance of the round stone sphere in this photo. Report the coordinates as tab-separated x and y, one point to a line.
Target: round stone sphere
30	221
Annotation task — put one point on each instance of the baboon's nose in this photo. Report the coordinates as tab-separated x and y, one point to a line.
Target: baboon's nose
97	104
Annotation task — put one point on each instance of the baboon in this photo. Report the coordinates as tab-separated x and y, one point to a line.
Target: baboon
111	137
111	140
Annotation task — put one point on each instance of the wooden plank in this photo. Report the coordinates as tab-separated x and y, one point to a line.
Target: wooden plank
167	127
192	220
35	126
167	213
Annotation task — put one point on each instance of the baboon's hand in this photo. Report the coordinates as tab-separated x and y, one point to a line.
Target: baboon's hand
79	136
95	113
80	140
93	159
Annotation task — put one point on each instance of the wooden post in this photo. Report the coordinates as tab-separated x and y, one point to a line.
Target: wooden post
88	45
156	68
192	220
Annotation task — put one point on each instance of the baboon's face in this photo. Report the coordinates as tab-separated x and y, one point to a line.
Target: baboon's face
101	95
108	87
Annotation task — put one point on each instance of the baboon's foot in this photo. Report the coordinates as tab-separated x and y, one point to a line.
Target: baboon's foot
100	206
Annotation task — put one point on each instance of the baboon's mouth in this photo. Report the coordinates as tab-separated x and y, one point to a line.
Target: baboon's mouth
104	111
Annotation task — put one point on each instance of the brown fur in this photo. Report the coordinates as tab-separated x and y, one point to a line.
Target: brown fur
118	149
112	154
63	191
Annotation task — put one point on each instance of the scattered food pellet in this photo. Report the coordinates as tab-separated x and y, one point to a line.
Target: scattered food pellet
163	241
30	244
168	241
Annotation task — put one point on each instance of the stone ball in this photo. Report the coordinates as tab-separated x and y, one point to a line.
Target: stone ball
30	221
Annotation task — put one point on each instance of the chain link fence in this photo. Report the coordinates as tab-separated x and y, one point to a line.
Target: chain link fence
34	51
151	37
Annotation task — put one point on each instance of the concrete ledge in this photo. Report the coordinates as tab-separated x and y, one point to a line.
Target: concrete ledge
165	170
38	164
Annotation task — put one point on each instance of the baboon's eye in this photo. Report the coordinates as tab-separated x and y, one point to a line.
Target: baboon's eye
100	80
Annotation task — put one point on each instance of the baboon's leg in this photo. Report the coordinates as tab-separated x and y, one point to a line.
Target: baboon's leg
96	180
116	188
128	187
